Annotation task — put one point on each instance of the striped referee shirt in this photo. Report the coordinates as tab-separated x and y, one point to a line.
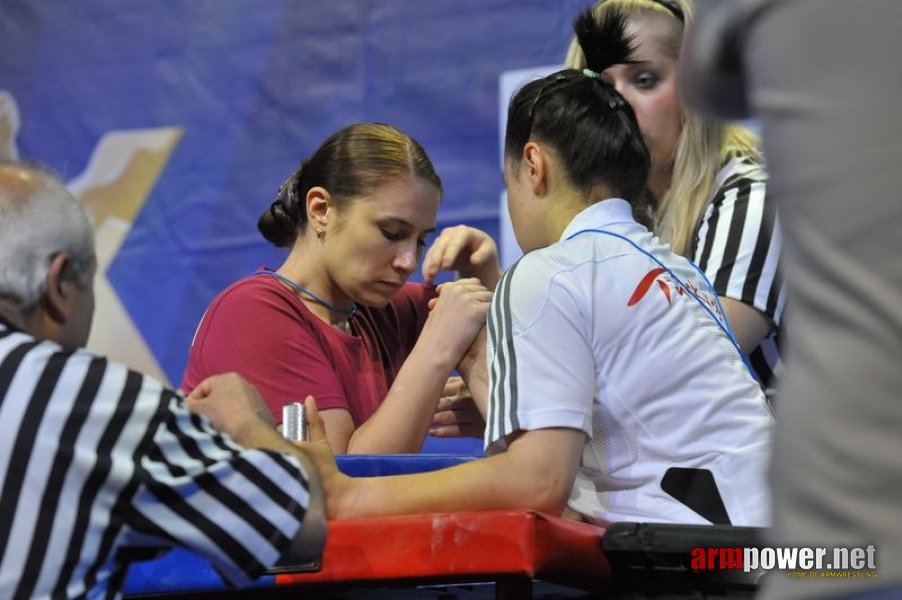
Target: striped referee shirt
101	465
738	247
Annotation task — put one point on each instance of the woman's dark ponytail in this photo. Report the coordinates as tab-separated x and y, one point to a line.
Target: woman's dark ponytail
282	222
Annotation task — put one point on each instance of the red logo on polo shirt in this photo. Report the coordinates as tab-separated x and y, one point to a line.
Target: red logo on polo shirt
647	283
668	287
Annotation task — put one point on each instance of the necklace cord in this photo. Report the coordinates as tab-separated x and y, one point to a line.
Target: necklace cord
347	314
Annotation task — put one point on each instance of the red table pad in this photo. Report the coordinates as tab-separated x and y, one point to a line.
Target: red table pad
464	546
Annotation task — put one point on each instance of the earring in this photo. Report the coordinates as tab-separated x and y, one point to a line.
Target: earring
320	233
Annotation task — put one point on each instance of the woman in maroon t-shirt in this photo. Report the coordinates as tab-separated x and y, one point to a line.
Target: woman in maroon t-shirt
338	319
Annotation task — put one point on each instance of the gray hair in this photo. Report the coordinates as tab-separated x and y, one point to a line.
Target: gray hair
39	218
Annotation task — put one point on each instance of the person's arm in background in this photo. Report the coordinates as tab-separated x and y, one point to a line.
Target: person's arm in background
749	324
713	79
738	248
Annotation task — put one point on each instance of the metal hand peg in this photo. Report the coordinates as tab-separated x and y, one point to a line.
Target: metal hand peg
294	422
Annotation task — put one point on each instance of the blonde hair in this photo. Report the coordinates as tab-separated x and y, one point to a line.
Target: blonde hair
704	145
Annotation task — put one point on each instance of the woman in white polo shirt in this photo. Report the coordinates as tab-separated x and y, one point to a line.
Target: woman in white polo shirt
614	386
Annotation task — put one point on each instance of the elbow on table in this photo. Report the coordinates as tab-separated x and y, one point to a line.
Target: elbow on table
540	467
548	495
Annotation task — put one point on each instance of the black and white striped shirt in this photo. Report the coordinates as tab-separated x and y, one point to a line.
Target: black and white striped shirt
101	465
738	246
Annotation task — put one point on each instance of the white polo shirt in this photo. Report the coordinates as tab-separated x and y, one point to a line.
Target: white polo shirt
592	333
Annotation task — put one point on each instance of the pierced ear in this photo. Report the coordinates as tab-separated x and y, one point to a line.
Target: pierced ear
536	163
319	201
56	296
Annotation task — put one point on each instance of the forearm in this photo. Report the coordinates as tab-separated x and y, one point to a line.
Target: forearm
749	325
405	415
536	475
402	420
474	371
484	484
488	275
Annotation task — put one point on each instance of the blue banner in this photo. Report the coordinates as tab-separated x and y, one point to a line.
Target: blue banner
176	121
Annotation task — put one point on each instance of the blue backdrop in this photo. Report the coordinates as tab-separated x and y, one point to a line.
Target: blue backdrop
253	86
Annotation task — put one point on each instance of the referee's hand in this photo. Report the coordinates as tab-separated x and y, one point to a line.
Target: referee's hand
234	407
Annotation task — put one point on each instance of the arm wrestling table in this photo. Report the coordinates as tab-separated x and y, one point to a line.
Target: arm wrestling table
510	549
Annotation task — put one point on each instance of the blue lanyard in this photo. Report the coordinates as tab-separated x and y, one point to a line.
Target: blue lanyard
345	313
722	323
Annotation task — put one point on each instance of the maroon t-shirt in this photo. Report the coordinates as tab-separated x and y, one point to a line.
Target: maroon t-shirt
262	330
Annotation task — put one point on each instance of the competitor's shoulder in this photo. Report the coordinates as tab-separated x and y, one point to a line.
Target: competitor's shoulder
255	296
539	266
526	287
559	260
250	287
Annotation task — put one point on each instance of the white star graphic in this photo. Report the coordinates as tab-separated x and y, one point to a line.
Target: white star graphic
122	170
